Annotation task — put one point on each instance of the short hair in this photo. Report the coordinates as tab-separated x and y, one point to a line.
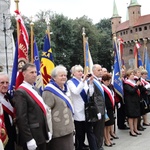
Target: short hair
27	65
144	71
59	68
136	70
106	77
94	66
4	74
76	68
129	72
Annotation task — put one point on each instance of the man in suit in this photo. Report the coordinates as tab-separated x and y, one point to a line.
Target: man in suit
30	112
8	113
98	127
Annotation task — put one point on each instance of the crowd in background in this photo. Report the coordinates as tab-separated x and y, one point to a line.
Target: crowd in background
46	121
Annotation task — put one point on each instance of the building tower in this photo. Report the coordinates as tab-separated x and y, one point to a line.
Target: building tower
6	37
115	19
134	11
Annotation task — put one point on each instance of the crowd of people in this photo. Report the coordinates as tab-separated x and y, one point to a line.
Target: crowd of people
24	118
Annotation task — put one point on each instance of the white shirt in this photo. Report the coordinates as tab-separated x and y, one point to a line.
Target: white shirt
78	103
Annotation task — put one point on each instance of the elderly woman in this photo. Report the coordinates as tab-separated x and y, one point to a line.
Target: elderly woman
79	87
57	96
132	102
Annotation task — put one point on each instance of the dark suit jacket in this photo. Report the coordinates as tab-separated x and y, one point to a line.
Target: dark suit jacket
99	100
30	119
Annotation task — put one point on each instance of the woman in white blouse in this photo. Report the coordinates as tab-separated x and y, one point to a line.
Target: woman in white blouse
79	87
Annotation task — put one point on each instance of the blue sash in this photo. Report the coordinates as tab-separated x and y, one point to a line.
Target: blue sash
52	89
83	93
99	87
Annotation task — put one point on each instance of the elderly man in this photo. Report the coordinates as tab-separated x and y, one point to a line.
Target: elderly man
98	127
30	112
7	112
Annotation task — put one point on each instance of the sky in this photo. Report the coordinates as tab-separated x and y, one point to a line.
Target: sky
93	9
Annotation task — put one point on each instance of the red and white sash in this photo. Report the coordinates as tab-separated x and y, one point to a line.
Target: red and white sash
35	96
110	94
129	82
7	106
144	82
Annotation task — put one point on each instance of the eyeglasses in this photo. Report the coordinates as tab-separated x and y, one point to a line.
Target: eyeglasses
4	82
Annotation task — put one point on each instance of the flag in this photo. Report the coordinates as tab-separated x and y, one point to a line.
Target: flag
140	64
88	58
39	80
14	72
120	45
136	54
47	62
147	63
117	81
21	51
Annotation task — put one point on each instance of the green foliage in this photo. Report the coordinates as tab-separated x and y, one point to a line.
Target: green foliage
67	39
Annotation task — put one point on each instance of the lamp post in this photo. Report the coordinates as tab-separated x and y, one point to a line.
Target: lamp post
4	23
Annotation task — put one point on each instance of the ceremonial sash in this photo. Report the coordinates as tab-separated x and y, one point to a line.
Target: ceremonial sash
35	96
3	132
109	93
144	82
133	85
99	86
83	93
7	106
60	94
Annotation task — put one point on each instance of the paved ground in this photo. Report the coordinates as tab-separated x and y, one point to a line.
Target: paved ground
126	142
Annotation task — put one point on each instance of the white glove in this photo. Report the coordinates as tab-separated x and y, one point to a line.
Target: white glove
119	105
99	116
31	145
49	137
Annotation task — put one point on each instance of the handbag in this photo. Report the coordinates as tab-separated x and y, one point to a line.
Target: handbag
91	110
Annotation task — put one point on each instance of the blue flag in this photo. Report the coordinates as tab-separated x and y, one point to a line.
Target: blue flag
39	80
139	61
14	72
87	54
117	81
147	63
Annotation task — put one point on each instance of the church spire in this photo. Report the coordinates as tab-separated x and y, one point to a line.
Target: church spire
133	3
115	11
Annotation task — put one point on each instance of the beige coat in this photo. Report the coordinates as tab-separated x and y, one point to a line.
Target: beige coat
62	120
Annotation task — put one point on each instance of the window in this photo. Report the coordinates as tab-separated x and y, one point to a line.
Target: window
145	28
140	29
135	29
130	51
130	31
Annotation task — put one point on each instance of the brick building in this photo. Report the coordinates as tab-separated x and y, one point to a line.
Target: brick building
135	28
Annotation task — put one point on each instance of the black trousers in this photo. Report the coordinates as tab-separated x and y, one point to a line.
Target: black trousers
121	116
98	128
82	128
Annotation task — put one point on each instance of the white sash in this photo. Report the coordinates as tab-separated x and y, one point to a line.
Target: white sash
6	103
62	94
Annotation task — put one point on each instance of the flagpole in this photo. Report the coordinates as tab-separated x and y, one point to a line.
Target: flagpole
32	34
145	48
47	20
135	56
84	52
17	8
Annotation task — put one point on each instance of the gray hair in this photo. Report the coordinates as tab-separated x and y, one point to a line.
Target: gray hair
94	66
4	74
57	69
